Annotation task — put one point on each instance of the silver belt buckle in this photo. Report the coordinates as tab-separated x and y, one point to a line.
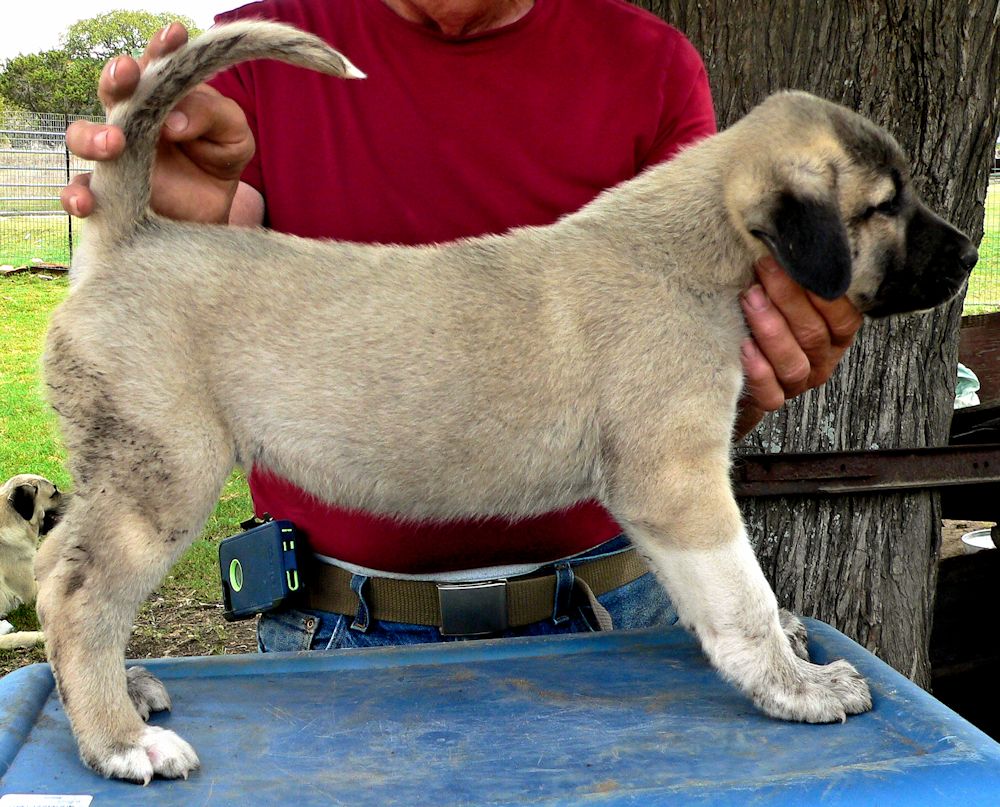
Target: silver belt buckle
473	609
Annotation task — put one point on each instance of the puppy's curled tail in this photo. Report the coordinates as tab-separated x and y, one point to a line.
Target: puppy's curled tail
122	187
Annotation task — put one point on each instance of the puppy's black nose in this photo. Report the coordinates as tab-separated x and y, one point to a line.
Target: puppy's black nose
968	256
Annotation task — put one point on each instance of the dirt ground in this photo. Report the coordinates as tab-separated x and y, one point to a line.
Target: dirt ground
179	625
182	625
186	627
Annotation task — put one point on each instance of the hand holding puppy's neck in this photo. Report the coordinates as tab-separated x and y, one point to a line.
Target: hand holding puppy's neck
461	17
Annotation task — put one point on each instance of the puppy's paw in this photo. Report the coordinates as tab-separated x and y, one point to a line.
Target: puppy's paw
795	632
817	694
147	693
159	752
170	756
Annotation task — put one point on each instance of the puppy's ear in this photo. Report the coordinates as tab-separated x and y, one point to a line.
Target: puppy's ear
22	499
809	241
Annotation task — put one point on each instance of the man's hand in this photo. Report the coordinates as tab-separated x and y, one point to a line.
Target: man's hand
796	341
204	146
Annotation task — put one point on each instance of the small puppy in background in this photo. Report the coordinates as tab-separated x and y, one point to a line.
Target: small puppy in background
30	506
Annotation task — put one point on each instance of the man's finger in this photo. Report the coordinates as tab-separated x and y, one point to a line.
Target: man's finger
120	75
118	80
204	113
760	385
164	41
842	318
94	141
776	341
76	198
808	325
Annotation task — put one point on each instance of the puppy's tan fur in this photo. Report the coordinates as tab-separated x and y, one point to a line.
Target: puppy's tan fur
512	375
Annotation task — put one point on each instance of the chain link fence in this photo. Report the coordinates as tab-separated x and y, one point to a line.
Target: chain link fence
34	166
984	285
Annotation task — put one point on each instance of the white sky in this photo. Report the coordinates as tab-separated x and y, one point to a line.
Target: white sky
28	26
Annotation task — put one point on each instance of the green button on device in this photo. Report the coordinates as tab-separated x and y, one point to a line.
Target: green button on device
236	574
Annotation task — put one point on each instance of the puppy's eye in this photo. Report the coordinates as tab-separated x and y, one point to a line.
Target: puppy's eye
890	207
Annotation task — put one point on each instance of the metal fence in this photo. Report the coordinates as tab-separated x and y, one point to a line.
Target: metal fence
34	166
984	285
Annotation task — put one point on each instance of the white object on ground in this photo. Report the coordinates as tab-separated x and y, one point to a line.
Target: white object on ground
977	541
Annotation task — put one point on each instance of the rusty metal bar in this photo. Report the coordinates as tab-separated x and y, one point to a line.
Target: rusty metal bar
866	471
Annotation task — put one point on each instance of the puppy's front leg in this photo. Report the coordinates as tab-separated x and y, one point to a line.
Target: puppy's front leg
701	552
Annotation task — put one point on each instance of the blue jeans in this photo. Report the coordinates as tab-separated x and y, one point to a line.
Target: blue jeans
640	604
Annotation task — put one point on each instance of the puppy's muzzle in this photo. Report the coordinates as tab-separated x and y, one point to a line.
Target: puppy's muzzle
936	265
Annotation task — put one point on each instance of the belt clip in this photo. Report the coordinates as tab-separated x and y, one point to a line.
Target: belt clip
473	609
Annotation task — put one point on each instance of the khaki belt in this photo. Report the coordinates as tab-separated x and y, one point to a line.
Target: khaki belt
464	608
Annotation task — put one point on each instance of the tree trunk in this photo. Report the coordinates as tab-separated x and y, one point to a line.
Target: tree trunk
929	72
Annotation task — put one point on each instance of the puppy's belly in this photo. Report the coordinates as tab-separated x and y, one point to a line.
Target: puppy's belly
423	472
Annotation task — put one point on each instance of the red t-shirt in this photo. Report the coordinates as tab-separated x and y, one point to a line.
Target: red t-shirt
451	137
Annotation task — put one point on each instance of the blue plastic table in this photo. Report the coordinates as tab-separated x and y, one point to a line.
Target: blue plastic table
616	718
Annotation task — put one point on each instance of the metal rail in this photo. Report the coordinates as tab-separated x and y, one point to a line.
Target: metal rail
866	471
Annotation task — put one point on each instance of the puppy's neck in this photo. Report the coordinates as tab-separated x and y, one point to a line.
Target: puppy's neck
672	219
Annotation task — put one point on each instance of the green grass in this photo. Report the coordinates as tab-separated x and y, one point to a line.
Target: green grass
29	440
984	284
25	238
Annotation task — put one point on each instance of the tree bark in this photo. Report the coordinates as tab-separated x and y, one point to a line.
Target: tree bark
930	73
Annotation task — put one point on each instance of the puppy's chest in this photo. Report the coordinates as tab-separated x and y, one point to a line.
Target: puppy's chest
16	549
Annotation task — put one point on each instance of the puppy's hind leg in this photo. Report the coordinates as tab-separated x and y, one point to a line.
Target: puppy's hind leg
689	528
114	546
